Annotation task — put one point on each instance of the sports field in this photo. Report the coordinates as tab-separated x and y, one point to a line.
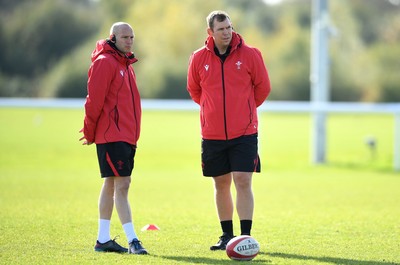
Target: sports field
345	212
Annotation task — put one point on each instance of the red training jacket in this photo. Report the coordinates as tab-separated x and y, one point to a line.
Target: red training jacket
112	109
228	92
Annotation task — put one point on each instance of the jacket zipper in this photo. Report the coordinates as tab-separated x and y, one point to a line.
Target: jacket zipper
224	99
133	101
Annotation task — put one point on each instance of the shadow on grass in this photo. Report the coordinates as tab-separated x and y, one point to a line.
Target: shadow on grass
260	259
330	259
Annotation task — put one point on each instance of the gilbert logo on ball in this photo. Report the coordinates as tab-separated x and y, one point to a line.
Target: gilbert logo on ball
242	248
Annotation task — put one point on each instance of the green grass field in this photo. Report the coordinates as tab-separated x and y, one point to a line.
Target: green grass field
344	212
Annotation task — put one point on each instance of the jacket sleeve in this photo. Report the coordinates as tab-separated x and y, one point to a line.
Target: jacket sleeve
260	77
99	80
193	81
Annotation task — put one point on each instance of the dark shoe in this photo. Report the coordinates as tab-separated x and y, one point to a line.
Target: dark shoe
110	246
135	247
223	240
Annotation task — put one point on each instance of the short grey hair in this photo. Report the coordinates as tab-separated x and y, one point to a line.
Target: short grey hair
216	15
115	27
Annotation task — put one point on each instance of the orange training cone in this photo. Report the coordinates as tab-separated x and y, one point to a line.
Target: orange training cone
150	227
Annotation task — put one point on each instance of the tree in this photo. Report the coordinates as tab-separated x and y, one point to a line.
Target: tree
48	31
46	45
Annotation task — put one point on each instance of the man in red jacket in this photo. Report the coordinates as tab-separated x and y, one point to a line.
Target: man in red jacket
229	80
112	122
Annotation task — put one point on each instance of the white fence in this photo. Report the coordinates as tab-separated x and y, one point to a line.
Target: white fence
270	106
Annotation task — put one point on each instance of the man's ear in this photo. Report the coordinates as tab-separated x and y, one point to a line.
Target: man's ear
209	32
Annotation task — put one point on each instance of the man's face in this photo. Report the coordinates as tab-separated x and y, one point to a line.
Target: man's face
222	33
124	39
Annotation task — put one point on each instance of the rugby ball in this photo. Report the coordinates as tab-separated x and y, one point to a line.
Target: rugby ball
242	248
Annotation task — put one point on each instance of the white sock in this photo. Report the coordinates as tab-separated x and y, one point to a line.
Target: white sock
129	231
104	231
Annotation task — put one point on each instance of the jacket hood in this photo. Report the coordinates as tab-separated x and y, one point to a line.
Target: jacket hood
236	42
105	47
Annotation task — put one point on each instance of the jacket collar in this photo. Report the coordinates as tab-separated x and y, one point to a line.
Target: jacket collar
107	47
236	42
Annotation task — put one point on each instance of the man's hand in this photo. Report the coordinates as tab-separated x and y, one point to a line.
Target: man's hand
85	142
